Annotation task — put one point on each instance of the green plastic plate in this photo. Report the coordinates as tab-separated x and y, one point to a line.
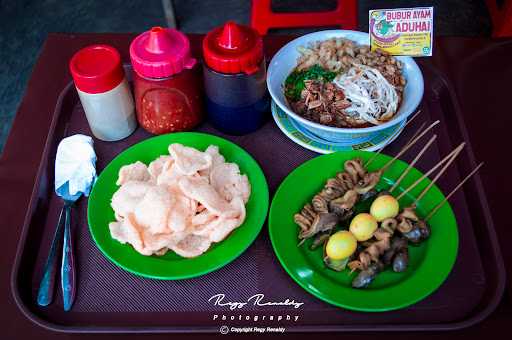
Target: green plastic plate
429	265
171	266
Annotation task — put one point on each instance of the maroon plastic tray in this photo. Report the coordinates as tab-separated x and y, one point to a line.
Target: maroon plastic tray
112	300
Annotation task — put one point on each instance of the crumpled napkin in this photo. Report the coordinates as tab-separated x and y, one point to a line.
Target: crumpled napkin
76	163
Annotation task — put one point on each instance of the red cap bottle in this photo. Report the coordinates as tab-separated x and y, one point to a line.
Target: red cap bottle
104	92
234	76
233	49
167	85
160	53
96	68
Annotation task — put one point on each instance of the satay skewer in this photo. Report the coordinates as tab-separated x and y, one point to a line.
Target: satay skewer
301	242
440	204
409	167
374	156
416	133
408	146
448	159
413	117
392	137
434	180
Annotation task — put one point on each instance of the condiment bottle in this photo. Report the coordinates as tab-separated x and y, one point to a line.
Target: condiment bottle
104	92
167	83
234	73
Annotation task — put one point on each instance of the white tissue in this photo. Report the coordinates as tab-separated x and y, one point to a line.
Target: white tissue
76	163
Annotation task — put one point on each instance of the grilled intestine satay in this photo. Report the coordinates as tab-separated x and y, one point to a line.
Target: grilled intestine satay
329	206
397	255
322	222
373	252
411	227
342	206
365	277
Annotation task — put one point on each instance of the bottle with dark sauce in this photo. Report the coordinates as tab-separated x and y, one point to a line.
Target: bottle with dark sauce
234	74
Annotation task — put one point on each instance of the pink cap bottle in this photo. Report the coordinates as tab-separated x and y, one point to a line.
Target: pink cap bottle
166	82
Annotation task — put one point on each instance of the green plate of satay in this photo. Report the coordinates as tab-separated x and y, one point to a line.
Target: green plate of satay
365	231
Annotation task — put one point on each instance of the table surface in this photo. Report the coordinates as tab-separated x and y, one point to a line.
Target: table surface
479	69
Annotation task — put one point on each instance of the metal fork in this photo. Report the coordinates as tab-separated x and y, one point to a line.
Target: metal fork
68	274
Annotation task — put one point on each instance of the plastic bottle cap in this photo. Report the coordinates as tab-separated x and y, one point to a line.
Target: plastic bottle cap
161	52
233	49
96	68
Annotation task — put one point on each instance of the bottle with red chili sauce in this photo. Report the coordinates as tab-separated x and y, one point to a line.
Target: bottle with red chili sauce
167	81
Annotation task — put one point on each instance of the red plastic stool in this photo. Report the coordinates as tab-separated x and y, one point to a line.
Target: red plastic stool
262	17
501	17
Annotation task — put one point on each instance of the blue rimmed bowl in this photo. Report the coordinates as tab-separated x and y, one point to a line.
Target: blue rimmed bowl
285	60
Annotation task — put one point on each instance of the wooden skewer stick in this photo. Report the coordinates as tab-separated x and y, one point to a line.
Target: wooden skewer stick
413	117
443	169
416	134
393	137
434	168
301	242
440	204
409	167
408	146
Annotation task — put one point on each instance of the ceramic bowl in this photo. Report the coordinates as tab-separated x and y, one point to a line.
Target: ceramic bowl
285	60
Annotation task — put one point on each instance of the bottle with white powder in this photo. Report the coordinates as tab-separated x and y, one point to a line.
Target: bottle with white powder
104	92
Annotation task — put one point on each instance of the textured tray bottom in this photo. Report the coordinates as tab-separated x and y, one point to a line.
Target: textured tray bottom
107	295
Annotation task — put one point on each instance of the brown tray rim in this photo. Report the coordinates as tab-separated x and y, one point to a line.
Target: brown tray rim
457	325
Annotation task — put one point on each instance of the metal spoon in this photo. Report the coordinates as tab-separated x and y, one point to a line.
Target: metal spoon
67	271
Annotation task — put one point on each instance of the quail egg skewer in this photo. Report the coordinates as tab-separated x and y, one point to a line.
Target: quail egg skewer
397	254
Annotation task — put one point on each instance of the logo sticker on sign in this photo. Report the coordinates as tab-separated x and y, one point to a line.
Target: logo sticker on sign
402	31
